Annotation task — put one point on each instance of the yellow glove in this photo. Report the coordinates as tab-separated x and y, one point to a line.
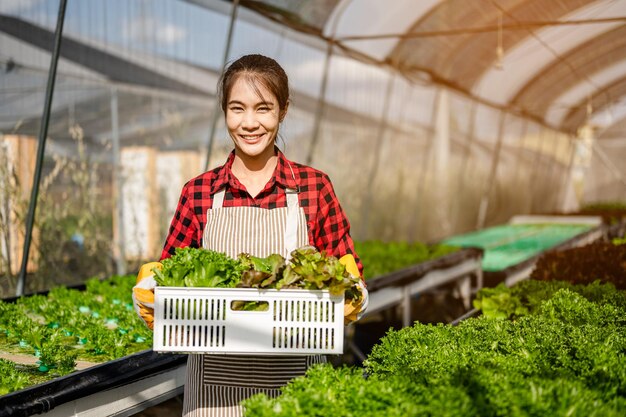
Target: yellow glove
353	311
143	292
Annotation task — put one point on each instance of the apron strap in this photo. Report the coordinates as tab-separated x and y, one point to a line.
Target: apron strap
218	199
291	226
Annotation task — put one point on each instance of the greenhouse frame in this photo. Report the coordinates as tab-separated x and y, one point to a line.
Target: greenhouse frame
497	127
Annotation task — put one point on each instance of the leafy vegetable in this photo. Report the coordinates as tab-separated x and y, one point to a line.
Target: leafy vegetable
564	358
310	269
307	269
96	325
11	379
261	272
196	267
602	261
527	297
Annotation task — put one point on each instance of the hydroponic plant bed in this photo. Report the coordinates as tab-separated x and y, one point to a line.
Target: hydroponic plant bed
400	276
382	258
613	214
563	355
42	337
395	271
512	248
597	261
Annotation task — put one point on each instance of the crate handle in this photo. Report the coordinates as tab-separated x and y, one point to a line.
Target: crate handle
249	306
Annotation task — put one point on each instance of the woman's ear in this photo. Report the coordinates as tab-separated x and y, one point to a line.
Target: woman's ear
283	112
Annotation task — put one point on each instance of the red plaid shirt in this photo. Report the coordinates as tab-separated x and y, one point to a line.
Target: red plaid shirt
328	227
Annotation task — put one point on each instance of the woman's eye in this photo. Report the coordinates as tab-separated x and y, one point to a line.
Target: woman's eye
236	109
264	109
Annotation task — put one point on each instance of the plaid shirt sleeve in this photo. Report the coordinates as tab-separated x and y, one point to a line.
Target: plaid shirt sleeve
184	229
332	231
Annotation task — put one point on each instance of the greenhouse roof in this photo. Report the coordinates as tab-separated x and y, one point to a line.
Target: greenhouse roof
563	63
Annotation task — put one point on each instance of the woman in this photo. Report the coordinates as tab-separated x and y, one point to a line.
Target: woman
260	203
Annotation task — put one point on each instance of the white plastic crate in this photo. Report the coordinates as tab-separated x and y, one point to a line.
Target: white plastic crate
201	320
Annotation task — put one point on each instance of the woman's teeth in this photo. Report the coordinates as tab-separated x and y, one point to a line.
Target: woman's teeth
251	137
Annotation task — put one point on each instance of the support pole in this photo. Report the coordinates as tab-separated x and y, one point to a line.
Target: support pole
440	192
484	202
551	171
565	193
216	108
468	151
119	247
321	101
520	150
41	147
535	171
406	306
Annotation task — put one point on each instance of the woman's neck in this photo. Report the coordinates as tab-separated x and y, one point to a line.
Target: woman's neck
254	172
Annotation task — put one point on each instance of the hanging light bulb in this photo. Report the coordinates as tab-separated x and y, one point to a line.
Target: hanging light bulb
499	48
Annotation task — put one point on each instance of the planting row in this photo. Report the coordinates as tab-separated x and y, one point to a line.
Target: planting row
540	348
380	258
563	355
44	336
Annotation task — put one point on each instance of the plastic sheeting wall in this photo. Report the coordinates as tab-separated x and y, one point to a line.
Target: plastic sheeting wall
409	161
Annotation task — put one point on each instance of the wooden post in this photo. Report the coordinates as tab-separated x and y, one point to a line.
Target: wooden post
174	169
17	156
139	193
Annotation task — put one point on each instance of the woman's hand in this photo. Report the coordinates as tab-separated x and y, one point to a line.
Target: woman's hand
354	309
143	292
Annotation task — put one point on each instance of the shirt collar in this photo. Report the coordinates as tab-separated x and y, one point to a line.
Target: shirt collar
283	174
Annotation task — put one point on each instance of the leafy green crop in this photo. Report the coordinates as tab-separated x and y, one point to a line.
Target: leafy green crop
66	325
11	379
196	267
566	357
380	258
261	272
313	270
527	296
307	269
344	391
599	260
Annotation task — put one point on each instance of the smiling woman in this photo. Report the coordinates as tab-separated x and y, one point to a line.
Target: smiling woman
258	203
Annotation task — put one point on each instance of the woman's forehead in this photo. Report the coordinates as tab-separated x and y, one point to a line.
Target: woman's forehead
250	89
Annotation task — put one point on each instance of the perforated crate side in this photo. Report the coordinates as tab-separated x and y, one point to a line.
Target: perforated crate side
201	320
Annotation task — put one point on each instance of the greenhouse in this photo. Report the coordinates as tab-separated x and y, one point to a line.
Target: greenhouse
476	264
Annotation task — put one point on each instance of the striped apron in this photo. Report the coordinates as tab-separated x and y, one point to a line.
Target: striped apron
216	384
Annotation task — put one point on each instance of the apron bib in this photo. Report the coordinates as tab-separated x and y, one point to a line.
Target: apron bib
216	384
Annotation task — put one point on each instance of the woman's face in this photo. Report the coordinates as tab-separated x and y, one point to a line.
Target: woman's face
252	120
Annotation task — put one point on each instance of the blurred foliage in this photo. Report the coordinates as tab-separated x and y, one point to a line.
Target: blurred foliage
602	261
610	211
72	234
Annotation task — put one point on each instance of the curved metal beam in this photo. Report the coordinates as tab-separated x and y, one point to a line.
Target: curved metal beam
578	114
539	94
465	58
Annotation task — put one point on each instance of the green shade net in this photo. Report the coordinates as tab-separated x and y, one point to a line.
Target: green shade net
509	245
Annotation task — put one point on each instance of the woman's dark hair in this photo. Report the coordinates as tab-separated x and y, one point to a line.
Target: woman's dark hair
256	68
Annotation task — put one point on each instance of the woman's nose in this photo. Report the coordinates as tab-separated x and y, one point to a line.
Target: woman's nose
249	120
